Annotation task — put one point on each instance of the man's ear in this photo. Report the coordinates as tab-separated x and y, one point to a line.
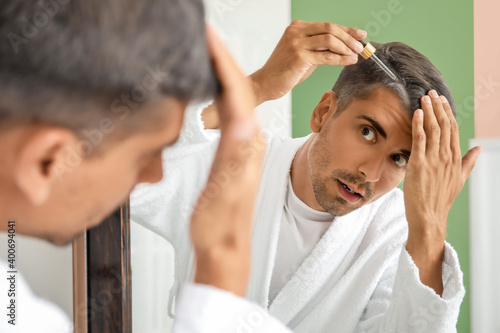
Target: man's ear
39	160
323	111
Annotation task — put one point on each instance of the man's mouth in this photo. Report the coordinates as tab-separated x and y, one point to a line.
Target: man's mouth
348	193
349	189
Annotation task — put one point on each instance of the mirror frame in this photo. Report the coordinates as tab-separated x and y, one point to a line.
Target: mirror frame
102	280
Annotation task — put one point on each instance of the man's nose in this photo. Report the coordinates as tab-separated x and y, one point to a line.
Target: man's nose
371	168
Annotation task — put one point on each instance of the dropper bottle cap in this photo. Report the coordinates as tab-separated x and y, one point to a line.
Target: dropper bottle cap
368	50
369	53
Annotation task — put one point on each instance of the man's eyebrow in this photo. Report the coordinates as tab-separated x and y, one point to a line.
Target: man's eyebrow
375	124
406	152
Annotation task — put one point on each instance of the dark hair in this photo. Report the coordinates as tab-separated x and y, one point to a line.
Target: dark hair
73	62
416	75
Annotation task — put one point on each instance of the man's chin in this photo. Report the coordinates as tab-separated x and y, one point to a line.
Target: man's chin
61	240
338	206
70	235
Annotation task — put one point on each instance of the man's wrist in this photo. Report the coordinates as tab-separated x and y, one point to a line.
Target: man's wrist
427	233
225	270
258	90
427	252
426	243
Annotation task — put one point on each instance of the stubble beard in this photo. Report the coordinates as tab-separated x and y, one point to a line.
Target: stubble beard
333	202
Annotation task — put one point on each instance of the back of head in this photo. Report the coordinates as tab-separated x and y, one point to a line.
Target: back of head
416	75
71	63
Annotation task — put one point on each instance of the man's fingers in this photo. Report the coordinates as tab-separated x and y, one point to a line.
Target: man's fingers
454	136
344	34
469	160
236	90
330	58
227	70
418	136
439	105
358	34
431	126
317	28
349	36
326	42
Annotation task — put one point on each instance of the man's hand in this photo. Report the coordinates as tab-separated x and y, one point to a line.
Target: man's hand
303	47
222	220
435	175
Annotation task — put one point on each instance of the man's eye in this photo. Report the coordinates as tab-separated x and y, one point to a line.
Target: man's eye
400	160
368	133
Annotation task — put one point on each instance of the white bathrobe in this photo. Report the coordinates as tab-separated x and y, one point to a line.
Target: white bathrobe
358	278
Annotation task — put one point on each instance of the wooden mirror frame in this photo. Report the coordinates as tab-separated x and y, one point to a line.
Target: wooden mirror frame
102	281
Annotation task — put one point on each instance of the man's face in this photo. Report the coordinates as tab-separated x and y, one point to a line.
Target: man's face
364	149
87	193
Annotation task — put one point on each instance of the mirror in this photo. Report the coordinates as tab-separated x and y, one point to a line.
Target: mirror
251	44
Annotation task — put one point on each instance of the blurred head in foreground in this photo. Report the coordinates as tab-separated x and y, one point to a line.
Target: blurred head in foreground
91	92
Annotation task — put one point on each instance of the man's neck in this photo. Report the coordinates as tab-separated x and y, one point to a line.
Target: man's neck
301	176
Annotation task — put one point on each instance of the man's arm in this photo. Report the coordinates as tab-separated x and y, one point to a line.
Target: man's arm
222	219
302	48
435	176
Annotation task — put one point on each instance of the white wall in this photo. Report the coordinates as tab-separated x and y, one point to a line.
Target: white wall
251	29
484	226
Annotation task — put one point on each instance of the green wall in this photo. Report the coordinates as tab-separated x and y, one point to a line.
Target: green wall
443	31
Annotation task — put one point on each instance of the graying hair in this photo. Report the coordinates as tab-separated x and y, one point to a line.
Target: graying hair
416	75
69	70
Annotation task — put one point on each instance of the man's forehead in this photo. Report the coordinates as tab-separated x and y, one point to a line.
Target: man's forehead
382	105
381	100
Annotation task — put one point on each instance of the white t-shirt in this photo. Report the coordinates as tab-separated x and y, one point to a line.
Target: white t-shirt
301	229
31	313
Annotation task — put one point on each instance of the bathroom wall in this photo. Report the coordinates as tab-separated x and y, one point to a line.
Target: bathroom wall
486	69
485	181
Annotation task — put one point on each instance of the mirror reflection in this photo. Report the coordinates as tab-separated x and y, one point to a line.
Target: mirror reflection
332	231
292	166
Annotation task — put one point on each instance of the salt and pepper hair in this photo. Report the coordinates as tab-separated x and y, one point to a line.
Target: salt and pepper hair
66	63
416	76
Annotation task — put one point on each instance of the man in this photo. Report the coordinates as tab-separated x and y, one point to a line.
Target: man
91	93
335	245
